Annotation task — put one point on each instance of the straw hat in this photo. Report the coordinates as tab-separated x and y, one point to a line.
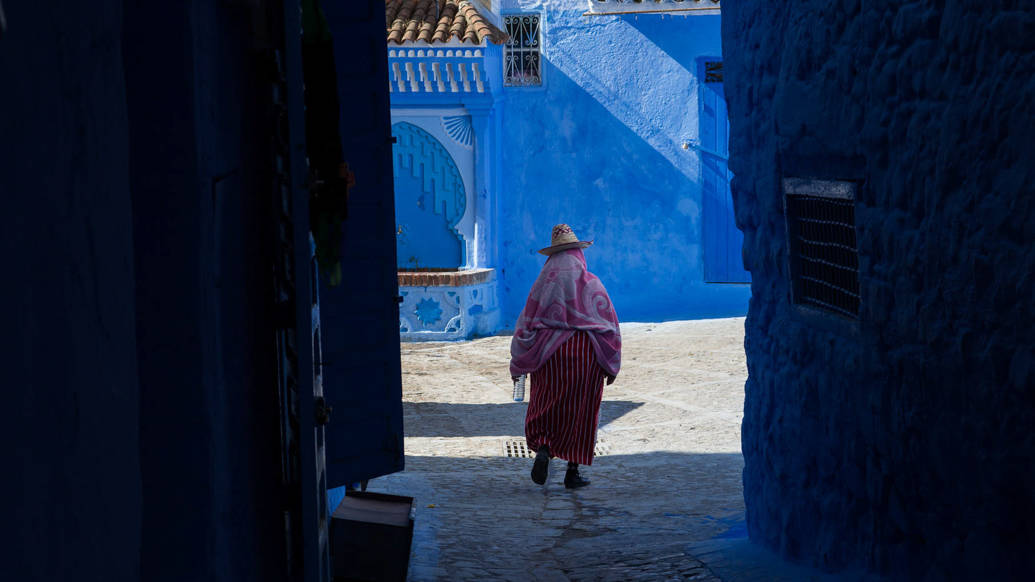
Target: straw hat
563	238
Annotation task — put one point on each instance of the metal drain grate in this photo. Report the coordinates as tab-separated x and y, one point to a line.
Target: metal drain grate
518	449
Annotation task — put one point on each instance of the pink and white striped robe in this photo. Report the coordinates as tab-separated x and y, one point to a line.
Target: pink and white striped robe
568	339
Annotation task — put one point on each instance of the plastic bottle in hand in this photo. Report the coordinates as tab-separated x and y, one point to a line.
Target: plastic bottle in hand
519	388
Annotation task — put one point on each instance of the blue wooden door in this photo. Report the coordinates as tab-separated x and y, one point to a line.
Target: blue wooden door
360	317
429	201
722	240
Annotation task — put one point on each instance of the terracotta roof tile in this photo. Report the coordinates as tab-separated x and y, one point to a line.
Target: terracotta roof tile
434	21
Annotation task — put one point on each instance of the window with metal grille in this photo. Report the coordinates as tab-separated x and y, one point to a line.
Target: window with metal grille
713	71
824	254
521	54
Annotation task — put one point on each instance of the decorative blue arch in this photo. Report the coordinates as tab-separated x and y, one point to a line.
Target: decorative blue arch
430	200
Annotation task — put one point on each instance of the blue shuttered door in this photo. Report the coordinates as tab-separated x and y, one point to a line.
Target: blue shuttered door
722	240
361	375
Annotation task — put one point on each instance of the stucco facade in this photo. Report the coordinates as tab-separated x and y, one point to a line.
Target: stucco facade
611	143
622	139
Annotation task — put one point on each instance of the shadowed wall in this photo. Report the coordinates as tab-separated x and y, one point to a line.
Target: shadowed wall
134	163
69	359
902	441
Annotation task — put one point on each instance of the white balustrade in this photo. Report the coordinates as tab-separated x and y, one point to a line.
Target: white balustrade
436	71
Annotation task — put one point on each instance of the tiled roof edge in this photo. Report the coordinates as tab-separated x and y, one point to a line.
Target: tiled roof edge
460	20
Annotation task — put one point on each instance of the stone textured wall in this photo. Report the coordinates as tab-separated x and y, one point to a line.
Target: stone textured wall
600	146
901	442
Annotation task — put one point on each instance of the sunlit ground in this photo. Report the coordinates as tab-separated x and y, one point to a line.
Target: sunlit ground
670	473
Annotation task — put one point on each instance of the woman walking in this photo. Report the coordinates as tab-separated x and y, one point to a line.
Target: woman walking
568	339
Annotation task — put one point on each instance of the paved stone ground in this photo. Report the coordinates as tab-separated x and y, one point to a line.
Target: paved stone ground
665	501
670	476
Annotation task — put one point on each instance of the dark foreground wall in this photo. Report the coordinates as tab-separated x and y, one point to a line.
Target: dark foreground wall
141	433
200	151
71	486
901	442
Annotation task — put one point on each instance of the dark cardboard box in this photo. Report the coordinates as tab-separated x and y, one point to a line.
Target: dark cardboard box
371	535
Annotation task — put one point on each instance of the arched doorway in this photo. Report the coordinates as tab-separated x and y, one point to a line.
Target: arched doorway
430	200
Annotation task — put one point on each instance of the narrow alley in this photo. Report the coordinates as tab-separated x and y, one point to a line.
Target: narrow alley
258	251
668	471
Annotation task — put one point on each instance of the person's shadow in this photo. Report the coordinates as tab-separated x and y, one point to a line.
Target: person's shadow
441	419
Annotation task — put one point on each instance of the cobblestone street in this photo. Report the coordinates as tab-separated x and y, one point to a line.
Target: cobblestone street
669	476
665	501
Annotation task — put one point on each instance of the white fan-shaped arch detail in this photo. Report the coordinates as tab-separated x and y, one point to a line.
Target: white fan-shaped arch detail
459	128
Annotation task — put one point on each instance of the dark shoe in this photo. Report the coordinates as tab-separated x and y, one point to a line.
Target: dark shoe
572	479
541	466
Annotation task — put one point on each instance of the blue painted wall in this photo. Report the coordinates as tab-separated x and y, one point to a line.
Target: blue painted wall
600	146
901	442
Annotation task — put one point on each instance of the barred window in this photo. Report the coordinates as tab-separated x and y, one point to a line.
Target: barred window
824	252
521	54
713	71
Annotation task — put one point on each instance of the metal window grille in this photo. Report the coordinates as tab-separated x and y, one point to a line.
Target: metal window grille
521	54
824	253
713	71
